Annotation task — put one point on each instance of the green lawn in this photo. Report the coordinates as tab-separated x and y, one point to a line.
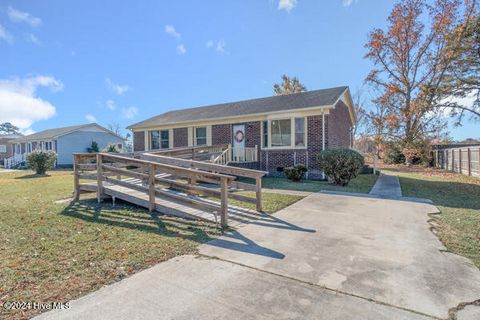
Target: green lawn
458	198
361	184
55	252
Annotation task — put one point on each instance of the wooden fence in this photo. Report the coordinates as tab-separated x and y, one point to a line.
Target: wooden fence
461	160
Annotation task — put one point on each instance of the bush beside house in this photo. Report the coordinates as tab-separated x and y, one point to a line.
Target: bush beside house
341	165
296	173
40	161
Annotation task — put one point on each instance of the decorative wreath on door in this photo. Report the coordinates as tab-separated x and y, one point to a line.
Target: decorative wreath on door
239	136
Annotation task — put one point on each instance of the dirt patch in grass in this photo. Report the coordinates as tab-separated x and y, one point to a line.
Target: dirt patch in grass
456	196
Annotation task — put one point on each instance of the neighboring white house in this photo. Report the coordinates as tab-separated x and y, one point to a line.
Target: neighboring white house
64	141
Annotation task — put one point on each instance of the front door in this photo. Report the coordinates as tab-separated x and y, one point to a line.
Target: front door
238	145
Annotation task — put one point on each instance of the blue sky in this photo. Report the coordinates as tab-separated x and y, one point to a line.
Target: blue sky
71	62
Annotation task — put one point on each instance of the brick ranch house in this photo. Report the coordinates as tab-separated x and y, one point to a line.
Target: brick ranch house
284	130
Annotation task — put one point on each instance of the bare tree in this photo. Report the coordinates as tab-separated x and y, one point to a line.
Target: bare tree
115	128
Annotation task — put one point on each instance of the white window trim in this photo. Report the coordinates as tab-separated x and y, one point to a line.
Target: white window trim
195	135
170	139
292	134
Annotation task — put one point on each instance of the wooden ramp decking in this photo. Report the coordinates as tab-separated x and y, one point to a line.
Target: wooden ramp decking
175	203
171	186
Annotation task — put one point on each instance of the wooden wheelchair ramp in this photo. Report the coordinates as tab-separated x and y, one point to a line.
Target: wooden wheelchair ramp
165	188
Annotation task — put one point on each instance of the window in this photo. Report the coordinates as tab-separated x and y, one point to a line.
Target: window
3	148
200	136
281	131
154	140
164	139
159	139
265	133
299	132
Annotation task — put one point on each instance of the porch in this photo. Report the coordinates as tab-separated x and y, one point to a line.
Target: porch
223	154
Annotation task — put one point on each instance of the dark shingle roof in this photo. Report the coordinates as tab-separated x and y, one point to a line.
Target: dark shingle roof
314	98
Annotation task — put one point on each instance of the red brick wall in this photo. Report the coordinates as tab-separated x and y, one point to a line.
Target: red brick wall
180	137
138	141
339	127
274	160
221	134
253	134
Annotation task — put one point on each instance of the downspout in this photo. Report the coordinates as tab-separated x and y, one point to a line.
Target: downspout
323	139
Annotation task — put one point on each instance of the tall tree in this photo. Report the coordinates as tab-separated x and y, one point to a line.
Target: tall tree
288	86
410	66
8	128
462	86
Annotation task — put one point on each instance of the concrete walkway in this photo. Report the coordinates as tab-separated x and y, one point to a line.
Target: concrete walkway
387	186
325	257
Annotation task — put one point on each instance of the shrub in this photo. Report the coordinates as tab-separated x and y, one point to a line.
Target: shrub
41	161
296	173
341	165
111	148
93	148
393	154
418	152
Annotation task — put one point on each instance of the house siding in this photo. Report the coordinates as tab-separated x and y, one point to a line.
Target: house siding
8	146
139	141
337	134
253	134
275	161
339	127
221	134
79	141
180	137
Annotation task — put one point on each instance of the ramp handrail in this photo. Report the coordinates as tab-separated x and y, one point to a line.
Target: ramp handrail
108	166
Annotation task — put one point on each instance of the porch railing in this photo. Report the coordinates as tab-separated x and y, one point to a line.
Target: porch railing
14	160
245	154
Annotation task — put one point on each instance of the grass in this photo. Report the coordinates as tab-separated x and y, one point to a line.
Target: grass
457	197
52	251
363	183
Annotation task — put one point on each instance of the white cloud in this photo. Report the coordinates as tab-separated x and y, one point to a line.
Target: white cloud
20	16
90	118
5	35
181	49
117	88
348	3
218	46
33	39
110	104
169	29
287	5
129	113
19	103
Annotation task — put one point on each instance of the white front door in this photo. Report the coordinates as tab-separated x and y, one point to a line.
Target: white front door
238	145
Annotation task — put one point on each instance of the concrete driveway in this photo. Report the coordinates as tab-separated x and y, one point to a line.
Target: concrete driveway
325	257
